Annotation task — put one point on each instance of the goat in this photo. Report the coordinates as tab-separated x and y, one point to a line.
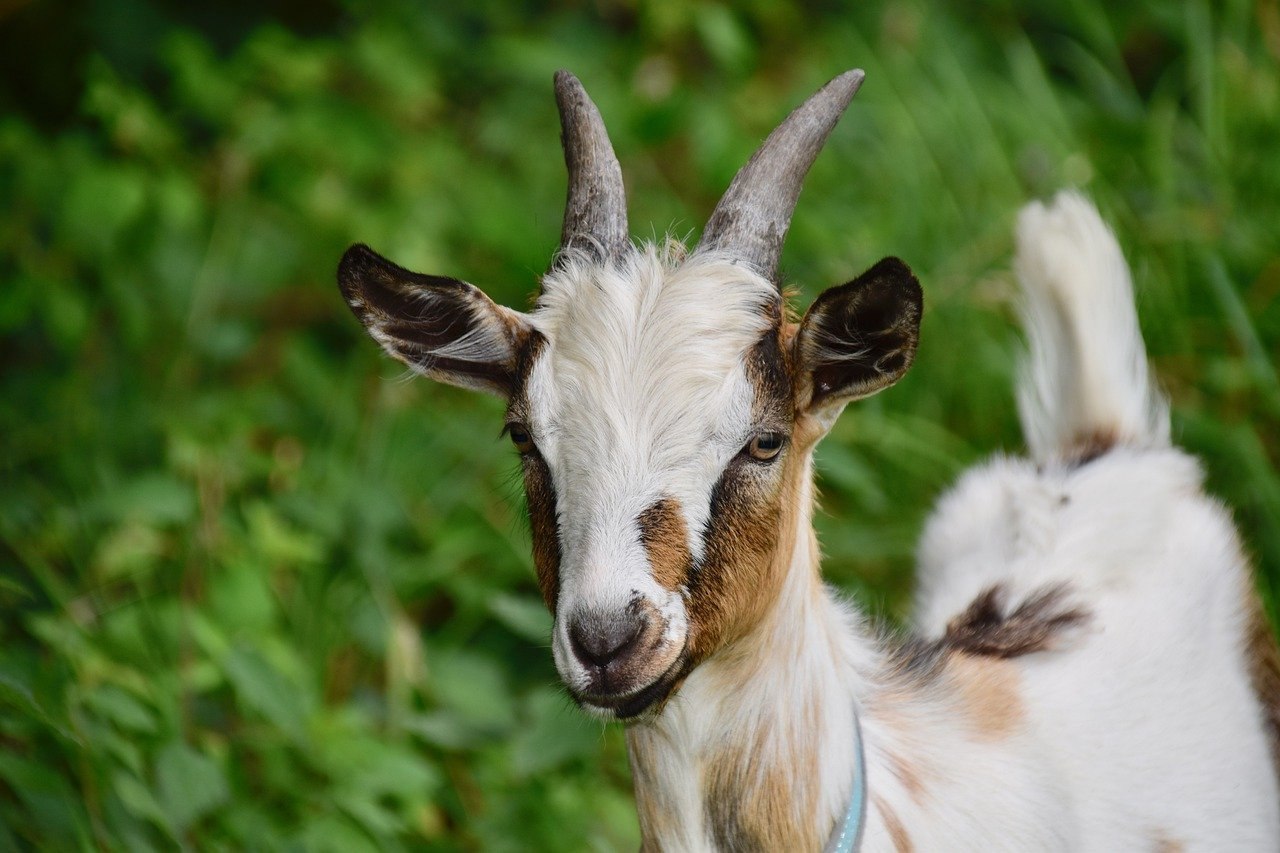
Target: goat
1086	674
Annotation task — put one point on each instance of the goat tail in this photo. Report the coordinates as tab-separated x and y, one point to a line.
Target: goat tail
1084	386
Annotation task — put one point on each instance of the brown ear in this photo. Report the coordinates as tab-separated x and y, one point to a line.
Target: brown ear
858	338
441	327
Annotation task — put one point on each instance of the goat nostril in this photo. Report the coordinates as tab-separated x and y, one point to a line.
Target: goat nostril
600	641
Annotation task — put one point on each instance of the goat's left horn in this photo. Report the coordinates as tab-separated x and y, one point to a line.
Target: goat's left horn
754	214
595	212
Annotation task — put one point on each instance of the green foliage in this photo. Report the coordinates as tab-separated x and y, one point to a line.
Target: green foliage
260	592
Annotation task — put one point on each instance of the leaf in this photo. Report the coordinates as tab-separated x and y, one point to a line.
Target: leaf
138	799
52	803
278	540
121	708
17	694
241	600
153	498
443	728
190	785
554	734
102	203
525	616
130	549
331	833
472	685
264	690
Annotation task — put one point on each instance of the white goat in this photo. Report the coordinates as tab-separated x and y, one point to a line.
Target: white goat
1092	672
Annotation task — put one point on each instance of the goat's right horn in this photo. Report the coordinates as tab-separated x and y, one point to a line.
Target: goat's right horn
595	211
754	214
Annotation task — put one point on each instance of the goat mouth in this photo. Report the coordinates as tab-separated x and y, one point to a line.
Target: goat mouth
648	700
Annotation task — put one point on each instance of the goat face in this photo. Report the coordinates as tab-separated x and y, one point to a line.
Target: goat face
664	408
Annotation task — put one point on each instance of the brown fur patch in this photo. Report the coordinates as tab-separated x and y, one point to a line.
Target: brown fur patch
768	368
652	812
544	529
526	358
749	807
908	774
984	628
730	587
893	825
1264	667
750	522
539	491
666	540
1162	843
1090	446
989	694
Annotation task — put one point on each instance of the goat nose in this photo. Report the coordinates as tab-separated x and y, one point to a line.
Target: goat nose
597	640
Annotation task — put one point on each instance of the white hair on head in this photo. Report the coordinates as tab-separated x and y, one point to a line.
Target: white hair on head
644	369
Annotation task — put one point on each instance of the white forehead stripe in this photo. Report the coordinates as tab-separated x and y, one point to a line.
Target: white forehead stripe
640	392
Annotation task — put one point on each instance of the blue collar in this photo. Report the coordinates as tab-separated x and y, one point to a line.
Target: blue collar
848	835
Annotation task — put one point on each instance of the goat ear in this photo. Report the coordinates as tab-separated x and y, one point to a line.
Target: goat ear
858	338
441	327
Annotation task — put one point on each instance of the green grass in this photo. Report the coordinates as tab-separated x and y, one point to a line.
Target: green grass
259	590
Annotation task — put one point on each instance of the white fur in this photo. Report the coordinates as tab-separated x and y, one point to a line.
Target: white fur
1087	367
1140	730
1148	721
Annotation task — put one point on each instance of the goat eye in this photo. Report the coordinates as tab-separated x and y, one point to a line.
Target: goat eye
520	437
765	446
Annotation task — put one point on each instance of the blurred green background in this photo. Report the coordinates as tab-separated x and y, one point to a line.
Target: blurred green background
259	591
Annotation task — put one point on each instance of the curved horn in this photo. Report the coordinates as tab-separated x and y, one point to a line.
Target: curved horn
595	211
752	217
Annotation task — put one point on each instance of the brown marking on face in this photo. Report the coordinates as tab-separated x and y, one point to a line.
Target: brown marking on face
768	369
1037	624
544	529
539	491
893	825
666	541
741	572
751	531
728	587
988	693
526	357
1162	842
748	549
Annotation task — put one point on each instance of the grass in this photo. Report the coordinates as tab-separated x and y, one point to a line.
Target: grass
261	590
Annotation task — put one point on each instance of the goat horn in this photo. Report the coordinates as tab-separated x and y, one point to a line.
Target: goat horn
754	214
595	211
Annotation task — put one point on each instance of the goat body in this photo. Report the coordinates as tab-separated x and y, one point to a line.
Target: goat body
1089	664
1119	710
